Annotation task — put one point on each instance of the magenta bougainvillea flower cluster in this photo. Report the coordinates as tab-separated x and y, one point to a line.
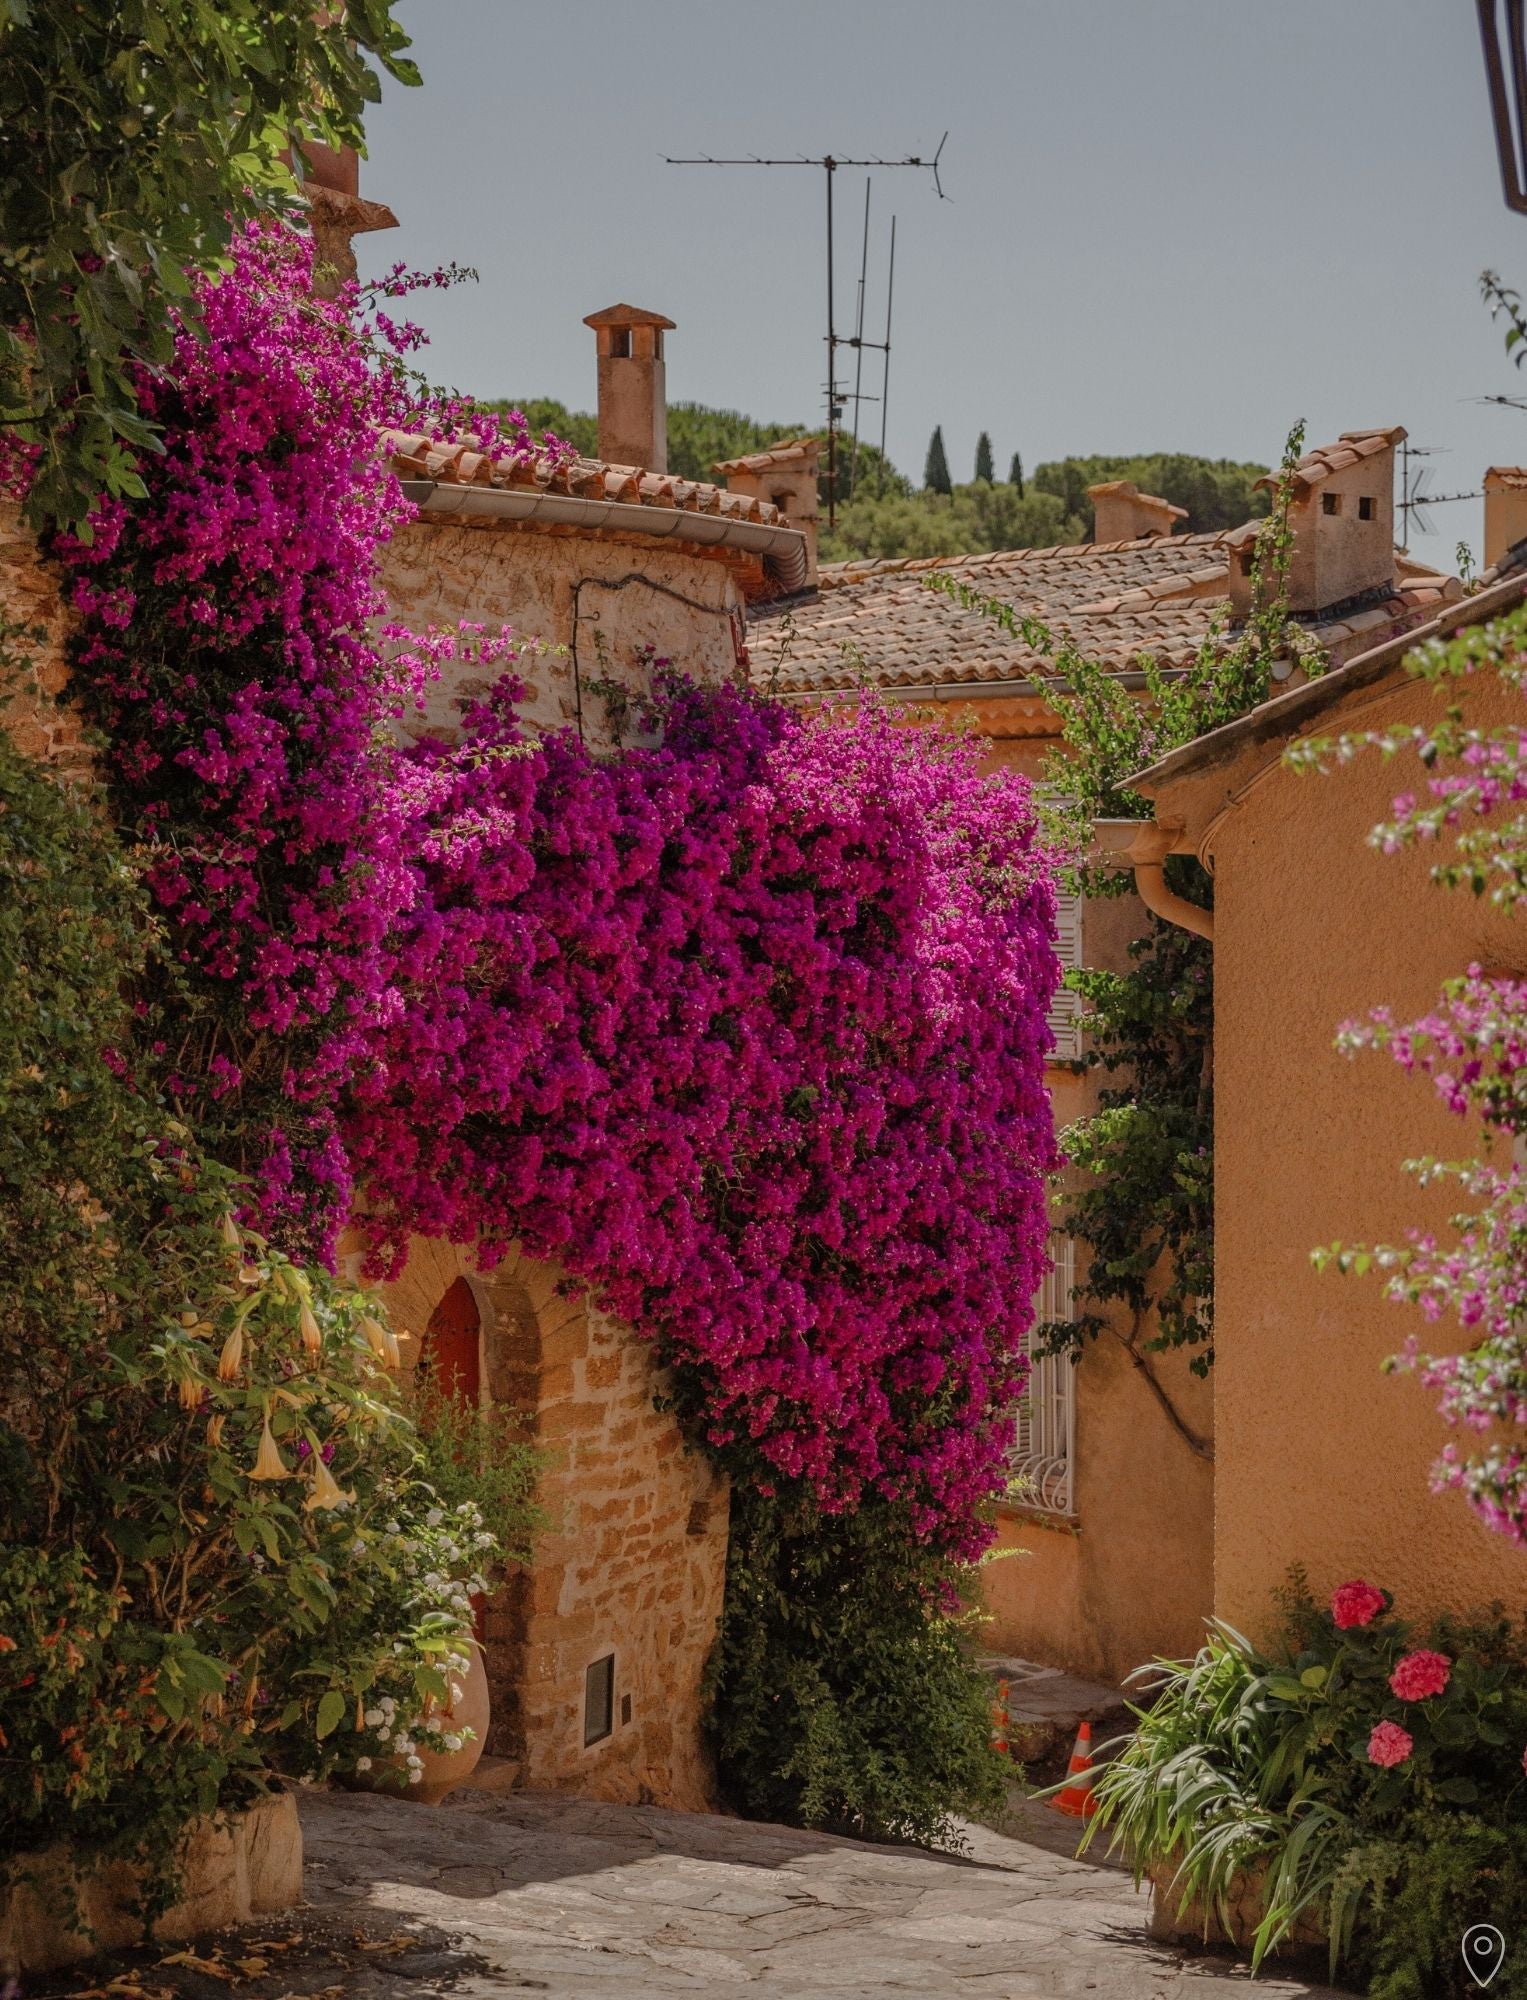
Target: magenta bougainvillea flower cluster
746	1030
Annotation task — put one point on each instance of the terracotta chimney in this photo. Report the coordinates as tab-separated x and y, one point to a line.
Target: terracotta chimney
1121	513
1505	510
336	213
1341	518
786	475
633	393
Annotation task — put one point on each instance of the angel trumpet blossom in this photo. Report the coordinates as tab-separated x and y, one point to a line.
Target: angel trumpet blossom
231	1235
269	1464
376	1335
232	1357
325	1490
312	1338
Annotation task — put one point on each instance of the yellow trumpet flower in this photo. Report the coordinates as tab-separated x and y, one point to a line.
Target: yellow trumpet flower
232	1356
394	1354
231	1235
376	1335
325	1490
269	1464
312	1338
190	1393
215	1430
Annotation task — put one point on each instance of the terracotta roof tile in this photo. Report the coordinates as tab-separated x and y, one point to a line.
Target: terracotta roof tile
875	622
1507	478
788	451
458	462
1350	448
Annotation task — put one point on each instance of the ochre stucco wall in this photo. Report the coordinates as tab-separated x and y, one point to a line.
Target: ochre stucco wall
687	606
1321	1458
633	1560
1131	1575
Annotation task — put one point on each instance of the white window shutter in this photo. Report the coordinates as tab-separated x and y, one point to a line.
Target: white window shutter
1067	1008
1044	1442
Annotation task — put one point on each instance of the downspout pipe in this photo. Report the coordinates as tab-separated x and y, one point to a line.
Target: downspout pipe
1143	845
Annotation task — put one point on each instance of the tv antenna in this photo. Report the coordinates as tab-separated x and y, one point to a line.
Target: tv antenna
1415	490
829	164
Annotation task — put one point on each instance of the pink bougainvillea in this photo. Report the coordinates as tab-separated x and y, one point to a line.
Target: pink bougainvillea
1420	1675
747	1030
1356	1603
1389	1745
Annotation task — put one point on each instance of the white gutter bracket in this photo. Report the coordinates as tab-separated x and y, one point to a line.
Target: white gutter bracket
1143	845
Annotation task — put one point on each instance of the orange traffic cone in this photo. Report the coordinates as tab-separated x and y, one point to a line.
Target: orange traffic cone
1075	1795
999	1719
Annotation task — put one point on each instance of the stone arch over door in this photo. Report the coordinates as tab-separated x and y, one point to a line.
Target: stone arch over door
631	1565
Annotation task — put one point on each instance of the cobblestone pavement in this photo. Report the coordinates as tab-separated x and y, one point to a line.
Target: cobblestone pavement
595	1902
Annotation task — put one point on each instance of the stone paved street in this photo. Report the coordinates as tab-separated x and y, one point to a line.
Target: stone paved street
597	1902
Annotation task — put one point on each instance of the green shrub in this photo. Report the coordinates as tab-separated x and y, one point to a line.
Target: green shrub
1397	1816
200	1453
844	1696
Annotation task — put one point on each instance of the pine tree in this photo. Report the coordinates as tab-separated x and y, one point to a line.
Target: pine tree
1015	473
936	468
984	467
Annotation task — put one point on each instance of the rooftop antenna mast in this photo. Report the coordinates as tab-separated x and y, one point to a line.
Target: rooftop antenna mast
1415	496
829	164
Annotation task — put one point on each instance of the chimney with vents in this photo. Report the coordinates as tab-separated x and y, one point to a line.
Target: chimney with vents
1341	521
1121	513
633	395
785	475
1505	510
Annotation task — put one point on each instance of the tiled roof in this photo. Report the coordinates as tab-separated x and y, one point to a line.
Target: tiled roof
1350	449
457	462
1508	478
1126	489
876	623
789	451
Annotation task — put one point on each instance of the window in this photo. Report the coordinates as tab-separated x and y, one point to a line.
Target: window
1330	503
1044	1446
1365	507
1067	1008
620	342
599	1700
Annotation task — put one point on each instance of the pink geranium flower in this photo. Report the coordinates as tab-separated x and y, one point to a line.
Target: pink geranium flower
1420	1674
1389	1745
1356	1603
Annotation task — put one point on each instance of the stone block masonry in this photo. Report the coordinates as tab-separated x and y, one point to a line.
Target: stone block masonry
632	1565
35	711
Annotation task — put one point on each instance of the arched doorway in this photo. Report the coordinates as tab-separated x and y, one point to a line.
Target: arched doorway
450	1355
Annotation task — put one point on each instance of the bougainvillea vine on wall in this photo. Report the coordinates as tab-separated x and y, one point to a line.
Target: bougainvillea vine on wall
747	1030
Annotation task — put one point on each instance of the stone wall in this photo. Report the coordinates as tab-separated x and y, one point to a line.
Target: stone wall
633	1562
596	599
34	711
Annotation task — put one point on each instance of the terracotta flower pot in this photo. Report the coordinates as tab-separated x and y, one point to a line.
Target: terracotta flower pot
444	1770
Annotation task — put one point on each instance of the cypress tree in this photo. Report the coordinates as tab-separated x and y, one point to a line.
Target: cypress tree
936	468
1015	473
984	467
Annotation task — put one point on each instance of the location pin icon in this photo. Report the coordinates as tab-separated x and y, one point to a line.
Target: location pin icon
1484	1952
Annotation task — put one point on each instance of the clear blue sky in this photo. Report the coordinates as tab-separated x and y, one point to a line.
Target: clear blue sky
1172	225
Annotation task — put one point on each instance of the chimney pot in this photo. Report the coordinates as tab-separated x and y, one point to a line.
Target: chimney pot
1505	510
633	393
1341	525
785	474
1122	513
